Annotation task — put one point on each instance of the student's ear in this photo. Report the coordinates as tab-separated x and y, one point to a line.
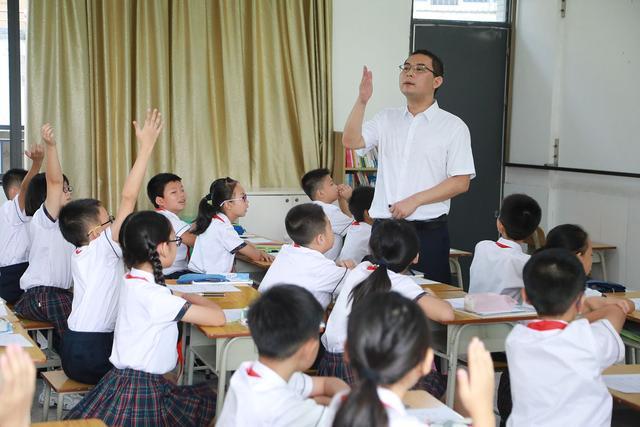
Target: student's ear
163	250
427	362
367	217
437	82
580	302
160	201
320	239
309	351
416	259
500	227
523	292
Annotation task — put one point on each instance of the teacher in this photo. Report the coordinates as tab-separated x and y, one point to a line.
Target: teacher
424	157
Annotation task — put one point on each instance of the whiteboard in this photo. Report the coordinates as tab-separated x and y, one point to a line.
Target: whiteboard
577	79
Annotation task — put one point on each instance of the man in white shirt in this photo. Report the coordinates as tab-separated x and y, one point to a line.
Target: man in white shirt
424	157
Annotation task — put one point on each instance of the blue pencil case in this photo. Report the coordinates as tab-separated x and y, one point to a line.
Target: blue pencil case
198	277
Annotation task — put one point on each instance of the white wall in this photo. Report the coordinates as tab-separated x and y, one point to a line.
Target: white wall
607	207
373	33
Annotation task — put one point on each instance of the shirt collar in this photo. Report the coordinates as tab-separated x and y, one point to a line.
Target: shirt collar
166	212
391	400
510	243
258	370
429	114
141	275
221	217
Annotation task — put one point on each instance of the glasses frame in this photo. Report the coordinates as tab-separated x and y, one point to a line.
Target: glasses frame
67	189
177	241
415	67
109	221
244	198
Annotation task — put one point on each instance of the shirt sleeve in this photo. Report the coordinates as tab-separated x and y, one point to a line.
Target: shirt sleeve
230	239
340	222
301	383
460	155
407	288
165	307
609	346
42	219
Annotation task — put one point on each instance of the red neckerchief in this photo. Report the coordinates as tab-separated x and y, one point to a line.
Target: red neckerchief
218	218
252	373
503	246
131	276
546	325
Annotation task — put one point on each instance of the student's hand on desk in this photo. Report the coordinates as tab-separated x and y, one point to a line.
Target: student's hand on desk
17	386
47	134
624	303
36	154
347	263
345	191
265	257
366	86
403	208
476	387
151	129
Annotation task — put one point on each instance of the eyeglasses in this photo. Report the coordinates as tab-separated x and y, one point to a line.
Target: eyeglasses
419	68
244	198
177	240
67	189
97	227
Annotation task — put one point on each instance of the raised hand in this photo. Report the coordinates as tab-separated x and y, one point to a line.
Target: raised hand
47	134
17	387
151	129
476	387
366	86
36	153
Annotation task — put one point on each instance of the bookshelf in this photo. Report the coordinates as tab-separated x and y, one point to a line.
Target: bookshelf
348	168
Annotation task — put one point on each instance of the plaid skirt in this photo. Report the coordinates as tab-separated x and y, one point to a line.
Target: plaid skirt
333	365
433	383
46	304
127	397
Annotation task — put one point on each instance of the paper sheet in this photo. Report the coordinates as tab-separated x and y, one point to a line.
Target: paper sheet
260	240
636	301
456	303
422	281
196	288
6	339
233	314
629	383
439	414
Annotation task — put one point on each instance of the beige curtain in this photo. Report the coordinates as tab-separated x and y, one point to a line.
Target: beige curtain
244	85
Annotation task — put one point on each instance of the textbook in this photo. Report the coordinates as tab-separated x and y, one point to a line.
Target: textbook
220	278
204	288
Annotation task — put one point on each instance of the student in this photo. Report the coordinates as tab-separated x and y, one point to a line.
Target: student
47	280
303	263
17	386
273	391
321	189
356	242
166	192
136	391
497	266
556	362
394	246
14	235
97	268
389	349
217	242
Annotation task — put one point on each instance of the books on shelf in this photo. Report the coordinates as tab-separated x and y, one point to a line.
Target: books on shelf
353	161
358	179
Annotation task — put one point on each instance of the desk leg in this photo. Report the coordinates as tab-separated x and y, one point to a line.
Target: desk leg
190	358
221	363
454	264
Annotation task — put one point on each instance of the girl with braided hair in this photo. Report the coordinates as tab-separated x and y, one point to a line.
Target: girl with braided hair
136	391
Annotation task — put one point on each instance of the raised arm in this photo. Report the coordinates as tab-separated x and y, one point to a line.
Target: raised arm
36	154
55	180
147	137
352	134
476	386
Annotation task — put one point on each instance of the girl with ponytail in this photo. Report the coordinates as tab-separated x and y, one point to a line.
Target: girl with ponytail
394	247
389	349
217	242
144	344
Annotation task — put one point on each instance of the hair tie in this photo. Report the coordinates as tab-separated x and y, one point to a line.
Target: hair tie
382	264
370	375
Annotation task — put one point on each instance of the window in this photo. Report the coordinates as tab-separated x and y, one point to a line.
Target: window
461	10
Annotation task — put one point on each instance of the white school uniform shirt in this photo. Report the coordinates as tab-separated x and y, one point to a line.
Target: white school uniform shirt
258	396
307	268
356	242
556	374
49	256
97	270
146	327
497	266
415	154
335	333
179	227
396	411
216	248
340	223
14	233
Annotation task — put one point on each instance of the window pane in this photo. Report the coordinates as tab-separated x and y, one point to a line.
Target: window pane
461	10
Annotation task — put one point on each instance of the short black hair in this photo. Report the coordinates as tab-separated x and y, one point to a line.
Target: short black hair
282	319
37	193
553	279
12	178
312	180
360	201
438	65
520	215
568	236
76	219
155	186
304	222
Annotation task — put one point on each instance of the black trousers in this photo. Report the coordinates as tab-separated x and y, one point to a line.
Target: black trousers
85	355
434	248
10	281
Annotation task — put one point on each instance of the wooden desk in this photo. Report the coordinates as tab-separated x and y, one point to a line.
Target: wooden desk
263	265
34	351
630	399
634	316
93	422
599	256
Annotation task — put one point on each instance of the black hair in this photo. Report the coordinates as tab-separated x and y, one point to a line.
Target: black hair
360	201
388	337
568	236
304	222
155	186
394	245
12	178
520	215
553	279
76	219
140	234
37	193
283	319
312	180
220	190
